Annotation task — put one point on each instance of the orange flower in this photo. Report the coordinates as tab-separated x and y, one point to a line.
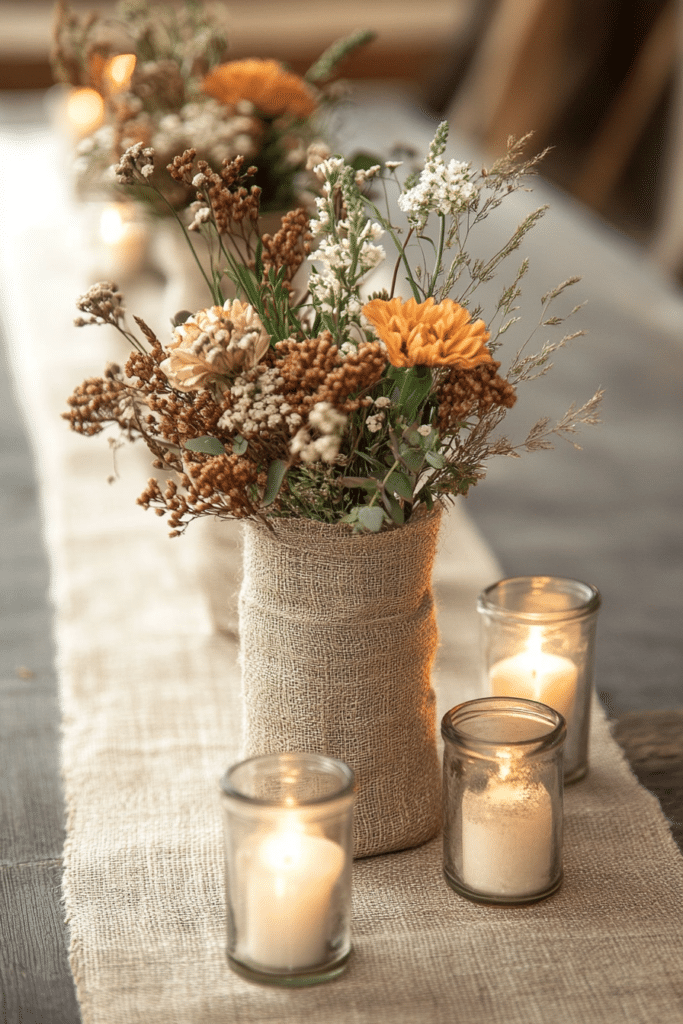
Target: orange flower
425	334
265	83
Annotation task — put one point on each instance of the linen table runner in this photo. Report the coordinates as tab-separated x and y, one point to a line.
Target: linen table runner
151	710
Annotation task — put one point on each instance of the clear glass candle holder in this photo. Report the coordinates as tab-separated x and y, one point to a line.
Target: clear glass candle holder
288	853
538	642
502	792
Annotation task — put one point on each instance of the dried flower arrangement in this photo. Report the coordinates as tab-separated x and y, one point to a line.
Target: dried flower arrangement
300	397
180	91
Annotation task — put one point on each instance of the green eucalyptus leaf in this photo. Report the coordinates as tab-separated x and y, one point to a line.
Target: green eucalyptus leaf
412	458
205	445
276	475
425	497
351	517
399	484
371	518
435	459
394	509
239	445
367	483
415	385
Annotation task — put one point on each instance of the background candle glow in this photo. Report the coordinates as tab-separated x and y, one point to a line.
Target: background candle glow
84	111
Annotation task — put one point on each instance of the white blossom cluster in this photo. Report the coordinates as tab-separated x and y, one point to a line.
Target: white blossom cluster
206	128
375	420
329	423
330	282
347	251
257	405
442	188
137	159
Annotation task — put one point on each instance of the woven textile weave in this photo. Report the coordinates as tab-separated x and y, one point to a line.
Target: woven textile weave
338	635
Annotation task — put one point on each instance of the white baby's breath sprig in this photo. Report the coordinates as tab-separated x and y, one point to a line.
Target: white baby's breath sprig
347	250
444	189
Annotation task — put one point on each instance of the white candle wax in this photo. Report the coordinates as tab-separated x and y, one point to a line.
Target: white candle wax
536	675
289	879
507	834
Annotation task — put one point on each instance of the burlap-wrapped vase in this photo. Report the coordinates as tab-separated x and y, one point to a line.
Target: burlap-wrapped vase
337	639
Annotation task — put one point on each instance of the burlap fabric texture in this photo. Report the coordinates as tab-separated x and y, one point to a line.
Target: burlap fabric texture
337	640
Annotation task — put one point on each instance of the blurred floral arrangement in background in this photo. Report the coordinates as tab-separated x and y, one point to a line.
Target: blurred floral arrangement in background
161	74
293	393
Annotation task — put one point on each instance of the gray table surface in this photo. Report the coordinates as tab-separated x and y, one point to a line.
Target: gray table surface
610	514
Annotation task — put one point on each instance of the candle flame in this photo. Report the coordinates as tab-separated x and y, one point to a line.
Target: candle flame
118	72
282	850
504	764
111	225
534	644
534	651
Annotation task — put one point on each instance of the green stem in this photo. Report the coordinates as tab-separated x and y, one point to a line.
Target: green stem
210	284
398	264
394	467
439	255
401	248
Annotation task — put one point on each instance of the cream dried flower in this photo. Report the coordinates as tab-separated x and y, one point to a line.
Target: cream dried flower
215	343
104	304
329	423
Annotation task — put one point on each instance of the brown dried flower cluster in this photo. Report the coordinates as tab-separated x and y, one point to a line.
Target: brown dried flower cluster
281	393
224	194
104	304
289	246
463	393
211	485
314	370
159	83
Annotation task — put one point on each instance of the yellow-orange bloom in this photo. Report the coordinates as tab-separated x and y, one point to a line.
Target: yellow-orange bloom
265	83
427	334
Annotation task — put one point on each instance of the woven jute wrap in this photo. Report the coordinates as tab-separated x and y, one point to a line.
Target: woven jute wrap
337	640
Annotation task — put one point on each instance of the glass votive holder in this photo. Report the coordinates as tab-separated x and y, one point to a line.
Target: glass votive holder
502	793
288	851
538	642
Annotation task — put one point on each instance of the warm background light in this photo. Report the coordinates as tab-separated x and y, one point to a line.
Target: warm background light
85	111
111	225
118	72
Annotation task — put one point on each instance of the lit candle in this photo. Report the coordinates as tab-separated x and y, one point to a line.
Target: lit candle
118	72
84	111
535	674
125	239
289	881
507	838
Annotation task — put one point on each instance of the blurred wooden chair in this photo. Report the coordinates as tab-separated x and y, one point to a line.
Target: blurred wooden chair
528	64
522	65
